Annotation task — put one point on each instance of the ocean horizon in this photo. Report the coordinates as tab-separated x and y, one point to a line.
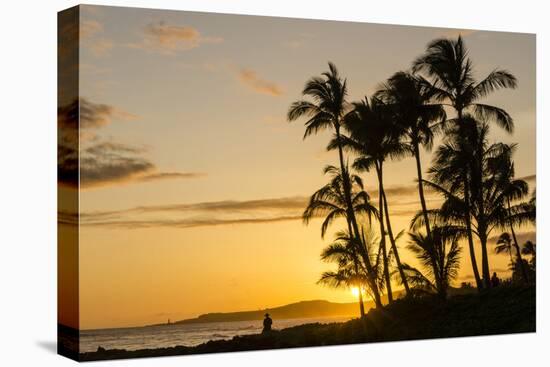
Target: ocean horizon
163	336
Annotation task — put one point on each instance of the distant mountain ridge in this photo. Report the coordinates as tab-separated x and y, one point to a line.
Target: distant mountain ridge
303	309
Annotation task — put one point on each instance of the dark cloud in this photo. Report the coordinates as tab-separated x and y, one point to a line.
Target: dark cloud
102	163
95	115
110	163
67	218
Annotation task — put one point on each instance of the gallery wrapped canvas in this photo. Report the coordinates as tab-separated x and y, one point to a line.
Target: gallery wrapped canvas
235	183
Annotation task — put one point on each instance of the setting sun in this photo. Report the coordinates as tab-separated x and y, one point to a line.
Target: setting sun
355	291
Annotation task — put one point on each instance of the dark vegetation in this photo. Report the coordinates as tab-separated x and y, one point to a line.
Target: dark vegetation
506	309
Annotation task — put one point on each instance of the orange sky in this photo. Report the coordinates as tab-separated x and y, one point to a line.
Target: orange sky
193	181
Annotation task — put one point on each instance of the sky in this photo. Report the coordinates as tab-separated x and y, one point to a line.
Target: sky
193	182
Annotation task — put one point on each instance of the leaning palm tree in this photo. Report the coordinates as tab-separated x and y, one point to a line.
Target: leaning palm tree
442	248
374	138
326	110
330	202
447	63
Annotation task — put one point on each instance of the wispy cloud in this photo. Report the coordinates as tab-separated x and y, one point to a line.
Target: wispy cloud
168	38
186	215
187	223
251	79
90	35
298	42
90	28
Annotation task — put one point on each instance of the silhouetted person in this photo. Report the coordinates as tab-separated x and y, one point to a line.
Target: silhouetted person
495	281
267	324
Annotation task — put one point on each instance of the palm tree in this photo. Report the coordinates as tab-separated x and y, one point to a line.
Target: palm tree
375	140
504	245
441	248
330	201
410	99
351	272
447	63
490	210
326	110
449	175
530	248
502	166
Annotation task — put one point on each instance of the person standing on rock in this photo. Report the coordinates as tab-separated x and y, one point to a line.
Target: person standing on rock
267	324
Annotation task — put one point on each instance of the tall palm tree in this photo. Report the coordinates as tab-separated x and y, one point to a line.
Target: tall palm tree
326	110
330	201
450	171
448	65
441	248
375	140
410	99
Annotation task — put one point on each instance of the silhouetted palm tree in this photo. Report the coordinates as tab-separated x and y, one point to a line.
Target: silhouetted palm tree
489	211
410	99
351	271
450	168
326	110
330	201
374	140
502	167
504	245
447	63
441	248
529	248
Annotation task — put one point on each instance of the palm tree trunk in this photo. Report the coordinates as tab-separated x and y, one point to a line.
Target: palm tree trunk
438	282
353	220
356	268
383	234
482	234
361	304
518	251
469	234
392	238
468	219
477	173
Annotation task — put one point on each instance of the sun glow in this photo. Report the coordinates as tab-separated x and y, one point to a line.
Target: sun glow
355	291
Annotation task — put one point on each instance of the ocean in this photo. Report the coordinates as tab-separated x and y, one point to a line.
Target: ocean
183	334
